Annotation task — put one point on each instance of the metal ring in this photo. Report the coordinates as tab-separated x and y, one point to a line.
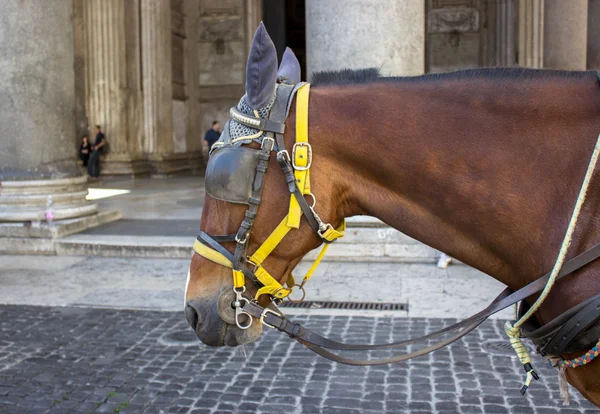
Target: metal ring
237	321
239	311
314	200
303	293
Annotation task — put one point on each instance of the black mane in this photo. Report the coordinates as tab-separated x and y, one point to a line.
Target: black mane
372	75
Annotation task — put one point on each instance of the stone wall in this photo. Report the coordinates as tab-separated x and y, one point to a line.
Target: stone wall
225	31
386	34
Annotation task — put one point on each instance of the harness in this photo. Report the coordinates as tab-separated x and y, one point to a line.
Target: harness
229	178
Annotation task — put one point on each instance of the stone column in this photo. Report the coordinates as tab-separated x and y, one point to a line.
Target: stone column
157	79
106	70
193	132
386	34
37	125
531	33
593	40
565	34
502	25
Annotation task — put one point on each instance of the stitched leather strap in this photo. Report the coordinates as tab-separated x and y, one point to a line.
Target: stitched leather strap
316	342
577	324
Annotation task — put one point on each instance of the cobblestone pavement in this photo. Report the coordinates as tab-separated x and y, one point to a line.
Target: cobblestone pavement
86	360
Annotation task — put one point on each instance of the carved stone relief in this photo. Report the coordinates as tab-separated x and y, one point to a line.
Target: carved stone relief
221	42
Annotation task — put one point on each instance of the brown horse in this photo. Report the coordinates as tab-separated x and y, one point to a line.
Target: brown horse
484	165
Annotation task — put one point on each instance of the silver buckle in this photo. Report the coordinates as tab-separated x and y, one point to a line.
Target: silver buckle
265	138
241	241
301	144
264	313
322	231
285	154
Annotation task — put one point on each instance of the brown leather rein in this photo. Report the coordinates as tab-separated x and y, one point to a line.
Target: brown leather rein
319	344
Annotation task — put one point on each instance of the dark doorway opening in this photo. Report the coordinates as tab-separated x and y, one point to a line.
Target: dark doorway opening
286	23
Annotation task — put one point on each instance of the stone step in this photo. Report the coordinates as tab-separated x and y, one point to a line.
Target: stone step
360	245
21	238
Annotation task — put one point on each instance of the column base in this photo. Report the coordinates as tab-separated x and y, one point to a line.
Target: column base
152	164
26	200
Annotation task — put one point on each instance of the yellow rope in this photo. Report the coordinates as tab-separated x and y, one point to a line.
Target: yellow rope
513	329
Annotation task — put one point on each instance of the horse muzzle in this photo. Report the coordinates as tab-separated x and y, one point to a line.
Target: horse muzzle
213	320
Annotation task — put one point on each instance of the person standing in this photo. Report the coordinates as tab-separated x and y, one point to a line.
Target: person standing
97	148
212	135
84	150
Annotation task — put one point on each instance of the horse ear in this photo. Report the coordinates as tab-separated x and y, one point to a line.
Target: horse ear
289	69
261	70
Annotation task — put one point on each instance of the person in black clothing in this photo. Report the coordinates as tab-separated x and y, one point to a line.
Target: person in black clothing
212	135
94	161
84	150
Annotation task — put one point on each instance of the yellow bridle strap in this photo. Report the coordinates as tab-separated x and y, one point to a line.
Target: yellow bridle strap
212	255
272	241
316	263
216	257
301	155
332	234
271	285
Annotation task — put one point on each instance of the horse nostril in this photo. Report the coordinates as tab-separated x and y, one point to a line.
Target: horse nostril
192	316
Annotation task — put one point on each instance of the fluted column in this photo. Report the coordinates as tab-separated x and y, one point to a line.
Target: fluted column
106	70
503	24
157	76
593	46
531	33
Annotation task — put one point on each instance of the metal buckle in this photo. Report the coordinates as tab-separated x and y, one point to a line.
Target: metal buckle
241	241
301	144
285	154
322	231
272	140
262	317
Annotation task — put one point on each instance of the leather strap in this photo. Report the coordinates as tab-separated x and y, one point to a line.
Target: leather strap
316	342
288	172
585	318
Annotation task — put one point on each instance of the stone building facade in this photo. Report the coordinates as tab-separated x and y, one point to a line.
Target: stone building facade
155	73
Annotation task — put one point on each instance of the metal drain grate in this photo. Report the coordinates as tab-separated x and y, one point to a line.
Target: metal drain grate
503	348
186	337
346	305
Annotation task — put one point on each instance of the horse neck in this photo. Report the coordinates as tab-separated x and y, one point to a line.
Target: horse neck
486	171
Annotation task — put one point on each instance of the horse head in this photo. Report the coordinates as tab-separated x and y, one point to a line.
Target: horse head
233	265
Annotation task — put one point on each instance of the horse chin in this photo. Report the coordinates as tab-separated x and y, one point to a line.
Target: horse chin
235	336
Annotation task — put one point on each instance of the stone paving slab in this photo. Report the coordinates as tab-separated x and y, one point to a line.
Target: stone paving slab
78	360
